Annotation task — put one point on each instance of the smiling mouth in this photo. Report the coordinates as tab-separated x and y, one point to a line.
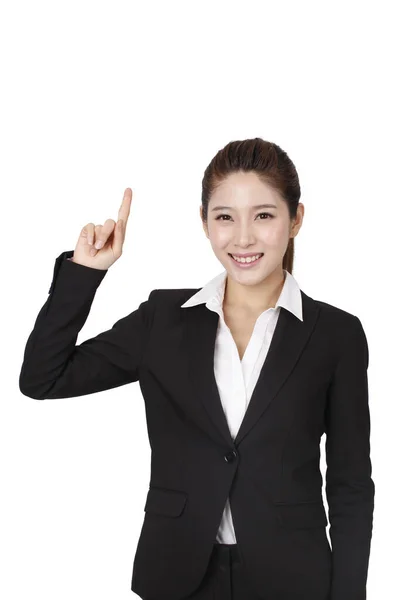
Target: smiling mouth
248	261
250	256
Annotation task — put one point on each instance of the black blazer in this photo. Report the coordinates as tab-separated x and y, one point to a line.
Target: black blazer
313	381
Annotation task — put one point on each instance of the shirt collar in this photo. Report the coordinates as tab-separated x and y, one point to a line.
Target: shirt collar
213	294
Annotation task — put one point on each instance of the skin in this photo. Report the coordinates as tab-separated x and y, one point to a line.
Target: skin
99	246
247	229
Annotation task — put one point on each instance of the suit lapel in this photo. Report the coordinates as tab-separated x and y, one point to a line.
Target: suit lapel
288	341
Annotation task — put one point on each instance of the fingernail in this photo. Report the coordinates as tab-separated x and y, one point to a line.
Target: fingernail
99	244
92	251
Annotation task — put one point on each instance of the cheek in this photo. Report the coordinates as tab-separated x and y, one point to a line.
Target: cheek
275	236
220	237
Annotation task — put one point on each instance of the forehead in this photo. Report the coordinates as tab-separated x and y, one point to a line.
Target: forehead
244	188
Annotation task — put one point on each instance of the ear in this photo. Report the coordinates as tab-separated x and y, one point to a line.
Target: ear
298	221
205	228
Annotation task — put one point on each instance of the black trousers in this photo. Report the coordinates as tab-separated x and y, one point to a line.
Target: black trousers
225	578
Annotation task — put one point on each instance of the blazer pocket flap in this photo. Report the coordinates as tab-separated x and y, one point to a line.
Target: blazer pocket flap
302	515
169	503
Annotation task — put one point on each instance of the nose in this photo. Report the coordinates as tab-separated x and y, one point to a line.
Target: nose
244	236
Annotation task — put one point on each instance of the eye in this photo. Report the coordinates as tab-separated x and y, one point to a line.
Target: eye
264	213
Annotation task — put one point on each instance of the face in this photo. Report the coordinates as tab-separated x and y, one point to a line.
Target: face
242	227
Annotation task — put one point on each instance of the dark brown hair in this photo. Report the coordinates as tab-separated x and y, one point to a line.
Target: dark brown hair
269	162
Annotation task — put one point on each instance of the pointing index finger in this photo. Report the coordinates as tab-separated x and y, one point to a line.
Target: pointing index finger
125	207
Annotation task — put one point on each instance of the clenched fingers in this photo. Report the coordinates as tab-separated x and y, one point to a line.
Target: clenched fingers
101	235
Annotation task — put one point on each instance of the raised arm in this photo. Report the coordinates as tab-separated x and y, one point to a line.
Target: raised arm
53	365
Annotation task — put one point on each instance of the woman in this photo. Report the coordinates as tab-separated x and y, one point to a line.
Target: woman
240	378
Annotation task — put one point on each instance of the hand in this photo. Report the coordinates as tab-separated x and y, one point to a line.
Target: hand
111	234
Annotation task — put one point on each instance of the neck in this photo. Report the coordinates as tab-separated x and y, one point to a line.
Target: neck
254	298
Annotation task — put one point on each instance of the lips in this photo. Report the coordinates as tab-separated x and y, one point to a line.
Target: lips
247	255
251	264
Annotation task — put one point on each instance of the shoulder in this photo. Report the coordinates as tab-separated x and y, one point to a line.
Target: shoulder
344	329
338	323
331	315
170	298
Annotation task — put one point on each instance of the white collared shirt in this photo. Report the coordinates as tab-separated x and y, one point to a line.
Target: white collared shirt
235	378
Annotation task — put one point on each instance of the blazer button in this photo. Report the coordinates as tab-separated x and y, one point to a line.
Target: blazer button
231	456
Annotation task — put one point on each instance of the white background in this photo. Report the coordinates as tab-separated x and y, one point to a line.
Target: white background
100	96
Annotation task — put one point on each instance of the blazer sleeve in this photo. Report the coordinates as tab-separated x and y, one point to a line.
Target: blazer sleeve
54	366
350	489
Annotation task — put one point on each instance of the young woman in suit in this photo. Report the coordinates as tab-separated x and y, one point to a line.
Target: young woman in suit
234	509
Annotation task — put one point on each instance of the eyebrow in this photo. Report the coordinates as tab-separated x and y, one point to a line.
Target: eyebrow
254	207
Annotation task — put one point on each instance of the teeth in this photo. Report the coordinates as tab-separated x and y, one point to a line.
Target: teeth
248	259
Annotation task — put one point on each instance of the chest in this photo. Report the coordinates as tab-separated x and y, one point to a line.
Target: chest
241	327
